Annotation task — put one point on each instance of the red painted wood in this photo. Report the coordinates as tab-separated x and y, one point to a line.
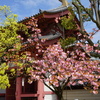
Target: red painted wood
48	92
2	94
40	90
59	14
10	92
29	95
18	88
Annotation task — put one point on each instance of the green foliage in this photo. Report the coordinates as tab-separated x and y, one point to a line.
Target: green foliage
68	23
67	41
84	15
4	80
6	16
8	31
10	43
85	12
7	37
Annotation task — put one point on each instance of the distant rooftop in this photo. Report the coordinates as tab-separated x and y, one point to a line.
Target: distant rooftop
59	9
55	10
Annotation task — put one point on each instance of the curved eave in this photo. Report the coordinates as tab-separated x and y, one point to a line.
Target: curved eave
56	10
60	11
47	37
50	36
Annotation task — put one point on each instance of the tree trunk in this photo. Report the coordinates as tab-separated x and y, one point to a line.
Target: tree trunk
60	95
60	98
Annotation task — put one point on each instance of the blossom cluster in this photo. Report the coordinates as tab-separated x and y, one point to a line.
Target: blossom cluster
60	68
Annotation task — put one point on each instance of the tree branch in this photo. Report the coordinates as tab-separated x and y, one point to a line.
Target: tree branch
92	18
48	86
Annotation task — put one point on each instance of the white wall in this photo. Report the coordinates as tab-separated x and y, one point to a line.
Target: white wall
46	88
80	94
49	96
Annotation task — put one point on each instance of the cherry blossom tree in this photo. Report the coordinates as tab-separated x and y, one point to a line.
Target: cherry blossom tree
59	66
61	69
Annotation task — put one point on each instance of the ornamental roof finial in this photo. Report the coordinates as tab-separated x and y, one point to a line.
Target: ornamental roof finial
64	2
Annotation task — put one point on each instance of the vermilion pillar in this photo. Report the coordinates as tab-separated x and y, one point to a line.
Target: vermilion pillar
40	90
18	88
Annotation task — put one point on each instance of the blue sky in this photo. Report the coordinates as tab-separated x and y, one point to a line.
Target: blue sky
27	8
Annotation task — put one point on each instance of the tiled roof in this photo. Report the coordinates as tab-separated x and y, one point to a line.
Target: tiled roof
48	37
59	9
56	10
